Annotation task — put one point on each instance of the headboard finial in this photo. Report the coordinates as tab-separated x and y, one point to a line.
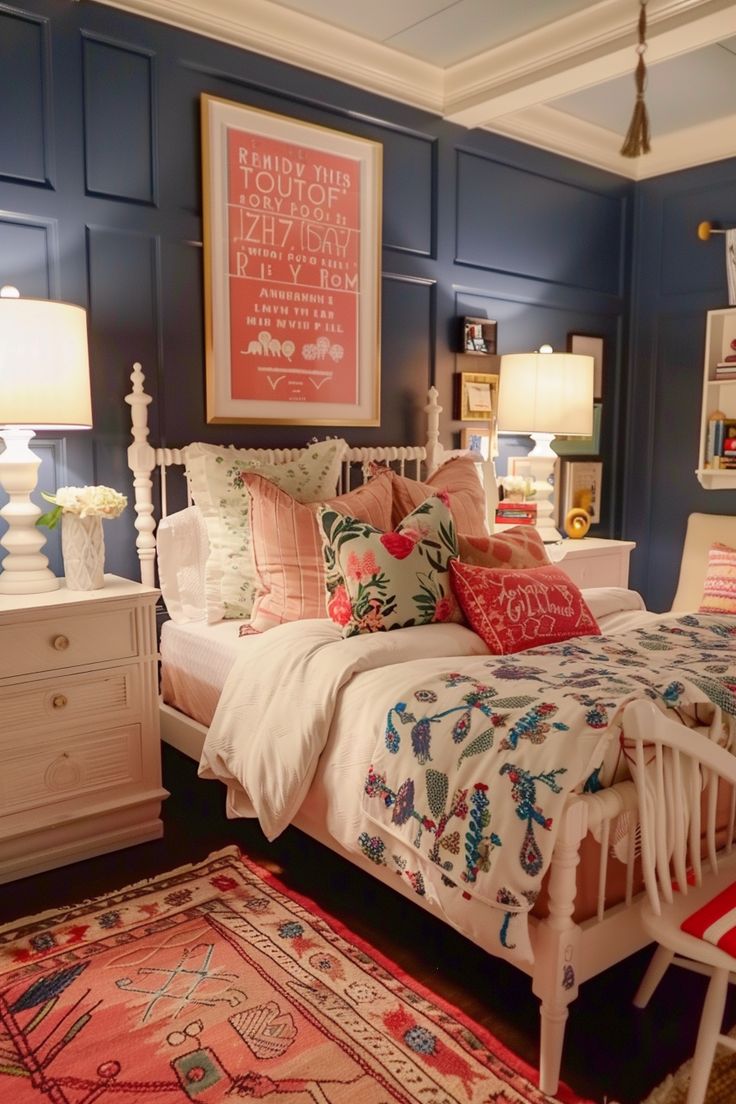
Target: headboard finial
141	461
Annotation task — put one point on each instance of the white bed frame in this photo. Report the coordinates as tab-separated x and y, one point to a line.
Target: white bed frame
566	953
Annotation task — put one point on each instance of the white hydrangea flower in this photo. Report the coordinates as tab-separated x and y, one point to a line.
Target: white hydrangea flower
91	501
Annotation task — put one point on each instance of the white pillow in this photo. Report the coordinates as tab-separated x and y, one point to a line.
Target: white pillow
181	551
218	489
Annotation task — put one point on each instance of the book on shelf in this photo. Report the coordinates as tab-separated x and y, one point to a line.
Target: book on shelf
510	506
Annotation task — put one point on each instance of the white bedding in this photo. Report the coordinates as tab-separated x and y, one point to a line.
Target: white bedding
283	692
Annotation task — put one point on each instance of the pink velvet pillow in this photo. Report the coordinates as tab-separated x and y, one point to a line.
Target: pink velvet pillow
515	610
521	546
287	546
459	477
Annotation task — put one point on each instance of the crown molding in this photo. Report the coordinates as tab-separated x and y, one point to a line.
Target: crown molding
504	90
300	40
581	50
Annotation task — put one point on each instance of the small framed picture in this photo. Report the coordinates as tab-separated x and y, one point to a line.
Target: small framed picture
477	440
581	446
478	336
589	345
581	482
476	396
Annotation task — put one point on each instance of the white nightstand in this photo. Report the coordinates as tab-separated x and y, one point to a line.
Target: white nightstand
80	756
593	561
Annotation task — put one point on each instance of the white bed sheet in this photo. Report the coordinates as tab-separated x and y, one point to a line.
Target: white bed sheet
196	657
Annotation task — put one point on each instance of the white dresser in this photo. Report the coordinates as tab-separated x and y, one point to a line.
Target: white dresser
593	561
79	738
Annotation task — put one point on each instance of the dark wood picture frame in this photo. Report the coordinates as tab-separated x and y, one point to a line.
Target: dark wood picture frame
589	344
478	336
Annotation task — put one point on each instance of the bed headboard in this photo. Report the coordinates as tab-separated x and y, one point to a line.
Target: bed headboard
703	530
144	458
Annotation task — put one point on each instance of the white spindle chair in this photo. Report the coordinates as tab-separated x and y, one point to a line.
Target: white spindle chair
677	772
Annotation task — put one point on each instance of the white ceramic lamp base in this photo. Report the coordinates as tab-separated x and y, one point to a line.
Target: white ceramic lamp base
544	486
25	569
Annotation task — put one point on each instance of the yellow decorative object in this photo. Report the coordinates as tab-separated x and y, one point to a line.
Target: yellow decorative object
577	523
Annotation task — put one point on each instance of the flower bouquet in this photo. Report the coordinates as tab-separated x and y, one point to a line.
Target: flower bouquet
81	511
101	502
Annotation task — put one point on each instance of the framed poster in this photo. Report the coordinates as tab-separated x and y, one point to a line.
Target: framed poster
292	217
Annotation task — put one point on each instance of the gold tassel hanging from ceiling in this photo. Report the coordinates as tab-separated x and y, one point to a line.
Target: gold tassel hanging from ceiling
637	138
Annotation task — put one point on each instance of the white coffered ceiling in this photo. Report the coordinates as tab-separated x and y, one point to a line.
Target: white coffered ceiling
555	73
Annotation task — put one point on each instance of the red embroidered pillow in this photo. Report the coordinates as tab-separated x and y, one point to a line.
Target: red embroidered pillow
719	590
515	610
521	546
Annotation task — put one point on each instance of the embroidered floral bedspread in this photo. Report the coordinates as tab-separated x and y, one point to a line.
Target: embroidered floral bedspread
474	766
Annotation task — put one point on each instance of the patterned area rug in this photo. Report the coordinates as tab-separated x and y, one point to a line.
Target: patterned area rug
721	1085
214	983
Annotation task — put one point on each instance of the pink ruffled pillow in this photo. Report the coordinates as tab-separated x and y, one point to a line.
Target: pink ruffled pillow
518	547
719	590
515	610
287	546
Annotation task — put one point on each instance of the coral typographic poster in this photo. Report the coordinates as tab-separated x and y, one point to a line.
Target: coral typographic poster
294	267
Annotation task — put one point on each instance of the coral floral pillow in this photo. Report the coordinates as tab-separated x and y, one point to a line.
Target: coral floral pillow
287	546
719	591
390	580
515	610
520	546
459	478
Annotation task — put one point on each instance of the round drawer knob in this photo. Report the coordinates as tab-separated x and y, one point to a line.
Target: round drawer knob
61	643
59	701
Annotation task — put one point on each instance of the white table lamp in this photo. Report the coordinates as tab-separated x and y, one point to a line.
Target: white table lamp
44	384
545	394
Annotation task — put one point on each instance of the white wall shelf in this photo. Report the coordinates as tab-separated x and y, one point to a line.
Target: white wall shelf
718	394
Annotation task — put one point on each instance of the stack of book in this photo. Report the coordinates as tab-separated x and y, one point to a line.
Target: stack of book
509	512
726	369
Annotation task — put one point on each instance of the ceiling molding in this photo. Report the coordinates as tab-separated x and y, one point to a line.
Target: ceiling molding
505	90
300	40
581	50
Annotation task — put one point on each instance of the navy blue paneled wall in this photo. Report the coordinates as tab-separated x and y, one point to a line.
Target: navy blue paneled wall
677	279
100	204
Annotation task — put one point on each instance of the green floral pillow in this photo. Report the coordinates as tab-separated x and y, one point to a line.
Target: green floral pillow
219	490
379	581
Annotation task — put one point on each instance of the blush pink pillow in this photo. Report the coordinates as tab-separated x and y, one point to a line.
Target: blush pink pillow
459	477
287	546
719	590
518	547
515	610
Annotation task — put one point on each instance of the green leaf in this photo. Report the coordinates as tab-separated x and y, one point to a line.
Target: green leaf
437	789
484	742
51	519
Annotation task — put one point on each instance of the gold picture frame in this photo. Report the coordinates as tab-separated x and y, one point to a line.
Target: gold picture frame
292	266
476	396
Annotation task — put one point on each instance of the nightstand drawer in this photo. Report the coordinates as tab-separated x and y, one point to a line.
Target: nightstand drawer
47	644
69	700
69	766
602	570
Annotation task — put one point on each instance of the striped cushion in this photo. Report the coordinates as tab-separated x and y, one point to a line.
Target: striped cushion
719	592
520	546
716	921
287	546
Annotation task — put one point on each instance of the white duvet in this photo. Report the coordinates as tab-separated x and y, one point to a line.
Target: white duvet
275	714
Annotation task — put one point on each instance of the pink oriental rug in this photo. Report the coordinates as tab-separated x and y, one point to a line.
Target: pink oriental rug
215	983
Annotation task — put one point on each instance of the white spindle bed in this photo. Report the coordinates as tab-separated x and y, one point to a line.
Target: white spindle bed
567	953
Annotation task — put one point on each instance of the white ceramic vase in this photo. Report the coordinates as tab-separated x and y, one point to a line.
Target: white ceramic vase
83	551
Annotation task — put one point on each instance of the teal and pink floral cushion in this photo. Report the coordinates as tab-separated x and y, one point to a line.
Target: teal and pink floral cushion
378	581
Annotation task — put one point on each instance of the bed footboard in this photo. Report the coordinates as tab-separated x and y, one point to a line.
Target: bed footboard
567	953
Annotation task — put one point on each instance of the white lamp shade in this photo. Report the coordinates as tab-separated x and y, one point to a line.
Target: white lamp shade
44	365
546	393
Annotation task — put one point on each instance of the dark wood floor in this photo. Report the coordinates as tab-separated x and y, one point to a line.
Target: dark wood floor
611	1048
